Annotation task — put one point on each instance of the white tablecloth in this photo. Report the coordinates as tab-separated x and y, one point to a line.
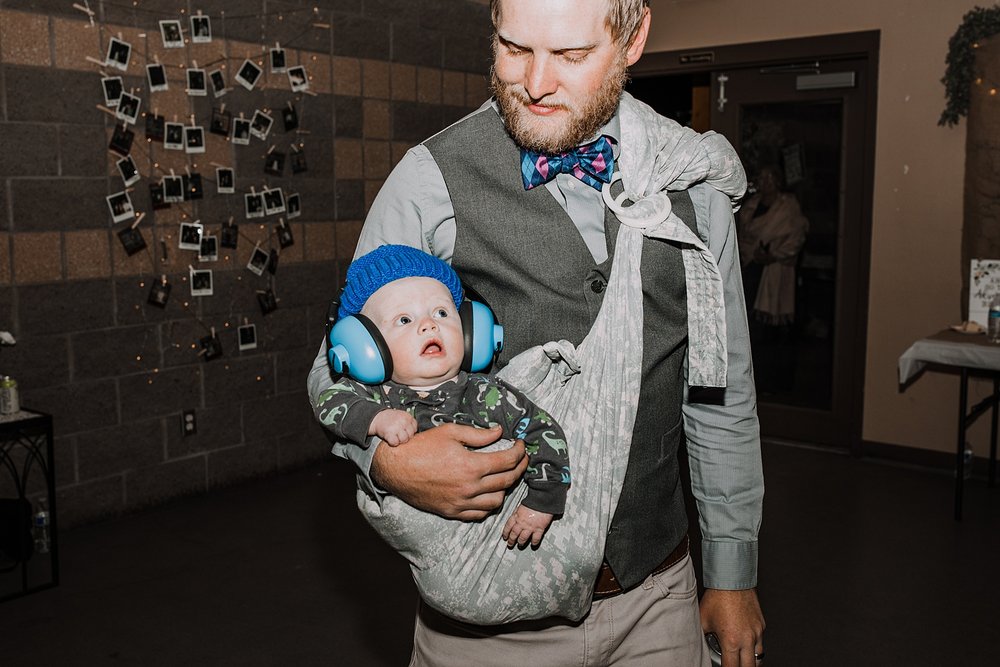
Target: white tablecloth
952	349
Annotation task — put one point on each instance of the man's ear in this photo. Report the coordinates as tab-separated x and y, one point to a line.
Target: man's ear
634	50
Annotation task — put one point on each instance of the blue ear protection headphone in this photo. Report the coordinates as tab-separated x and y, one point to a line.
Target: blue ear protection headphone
355	347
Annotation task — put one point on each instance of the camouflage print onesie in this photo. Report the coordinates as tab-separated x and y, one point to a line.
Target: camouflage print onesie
470	399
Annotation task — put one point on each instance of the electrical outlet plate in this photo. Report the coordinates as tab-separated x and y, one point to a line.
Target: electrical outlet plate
188	424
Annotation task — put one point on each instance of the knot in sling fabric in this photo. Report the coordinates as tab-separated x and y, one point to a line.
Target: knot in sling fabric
463	569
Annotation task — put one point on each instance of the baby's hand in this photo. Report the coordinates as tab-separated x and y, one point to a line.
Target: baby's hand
393	426
524	525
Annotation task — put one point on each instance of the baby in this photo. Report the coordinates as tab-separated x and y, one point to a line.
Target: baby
412	299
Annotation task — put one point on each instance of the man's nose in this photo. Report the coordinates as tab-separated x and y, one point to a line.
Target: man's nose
539	77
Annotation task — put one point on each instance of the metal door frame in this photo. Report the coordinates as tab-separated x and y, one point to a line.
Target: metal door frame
856	45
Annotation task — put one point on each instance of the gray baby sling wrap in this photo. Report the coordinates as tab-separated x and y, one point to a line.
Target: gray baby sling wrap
464	569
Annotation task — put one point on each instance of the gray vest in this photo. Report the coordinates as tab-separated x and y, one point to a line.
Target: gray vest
522	253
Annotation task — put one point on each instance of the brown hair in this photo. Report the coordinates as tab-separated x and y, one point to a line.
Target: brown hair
624	18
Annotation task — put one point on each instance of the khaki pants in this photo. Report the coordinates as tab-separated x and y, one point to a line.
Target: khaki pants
656	623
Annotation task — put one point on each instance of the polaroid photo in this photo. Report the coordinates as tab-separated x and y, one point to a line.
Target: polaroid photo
293	205
120	205
254	203
190	238
159	293
132	240
258	261
194	139
209	250
274	201
126	167
156	197
197	83
173	137
221	123
272	262
156	127
285	237
241	131
260	125
211	346
118	55
173	189
121	140
225	181
218	81
298	79
128	108
230	235
247	336
274	163
277	61
299	164
156	77
248	74
192	186
201	29
113	89
173	37
267	301
201	282
290	117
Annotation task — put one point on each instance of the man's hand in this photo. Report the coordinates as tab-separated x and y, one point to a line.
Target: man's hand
735	617
436	473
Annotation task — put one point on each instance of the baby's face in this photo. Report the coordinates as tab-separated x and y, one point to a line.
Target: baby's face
420	324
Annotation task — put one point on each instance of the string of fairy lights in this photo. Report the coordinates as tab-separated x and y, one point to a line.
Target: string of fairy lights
991	87
179	191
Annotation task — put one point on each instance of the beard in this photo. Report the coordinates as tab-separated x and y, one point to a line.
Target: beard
585	119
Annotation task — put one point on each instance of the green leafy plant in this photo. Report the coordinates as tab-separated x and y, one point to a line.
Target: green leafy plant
977	24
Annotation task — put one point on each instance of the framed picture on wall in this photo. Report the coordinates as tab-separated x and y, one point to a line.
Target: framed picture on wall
248	74
172	35
113	89
156	77
201	29
119	53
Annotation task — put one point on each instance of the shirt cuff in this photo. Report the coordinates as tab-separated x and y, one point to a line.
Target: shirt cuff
729	566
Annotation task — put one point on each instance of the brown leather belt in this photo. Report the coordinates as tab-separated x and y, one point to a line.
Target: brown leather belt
607	584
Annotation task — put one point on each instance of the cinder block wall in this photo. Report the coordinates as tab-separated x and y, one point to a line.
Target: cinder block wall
115	372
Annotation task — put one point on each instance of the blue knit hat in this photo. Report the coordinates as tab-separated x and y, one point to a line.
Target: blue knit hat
386	263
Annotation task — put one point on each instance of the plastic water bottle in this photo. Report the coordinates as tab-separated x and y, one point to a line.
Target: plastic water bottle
993	320
41	527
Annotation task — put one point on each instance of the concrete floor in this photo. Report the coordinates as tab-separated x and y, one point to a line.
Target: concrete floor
861	565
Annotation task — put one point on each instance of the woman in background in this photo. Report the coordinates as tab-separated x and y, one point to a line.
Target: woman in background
771	232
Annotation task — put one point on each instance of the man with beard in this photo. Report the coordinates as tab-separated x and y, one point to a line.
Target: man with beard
511	197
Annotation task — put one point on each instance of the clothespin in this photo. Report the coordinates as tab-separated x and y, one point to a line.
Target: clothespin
138	219
85	8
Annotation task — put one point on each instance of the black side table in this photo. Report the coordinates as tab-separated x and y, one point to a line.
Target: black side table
26	471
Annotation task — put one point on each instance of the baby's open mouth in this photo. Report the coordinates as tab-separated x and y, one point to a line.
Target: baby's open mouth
432	347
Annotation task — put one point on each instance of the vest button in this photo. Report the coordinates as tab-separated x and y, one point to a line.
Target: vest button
597	286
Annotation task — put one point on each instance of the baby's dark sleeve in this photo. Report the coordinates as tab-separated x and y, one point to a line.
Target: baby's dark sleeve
547	476
348	408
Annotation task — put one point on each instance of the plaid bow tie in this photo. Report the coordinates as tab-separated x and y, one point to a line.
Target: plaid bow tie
592	163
